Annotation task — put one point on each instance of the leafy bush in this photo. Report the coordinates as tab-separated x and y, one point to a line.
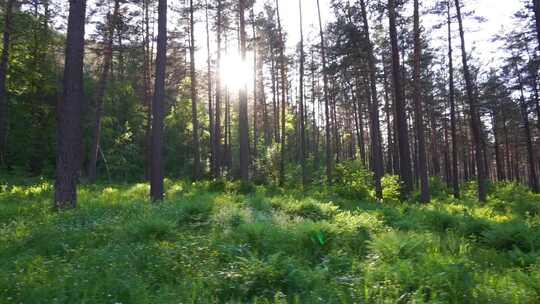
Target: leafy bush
150	229
473	227
516	198
353	180
398	245
439	220
438	188
194	211
308	209
510	235
229	216
391	186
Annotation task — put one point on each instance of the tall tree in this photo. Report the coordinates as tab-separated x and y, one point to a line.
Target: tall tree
419	115
255	89
147	61
301	93
533	178
536	8
194	97
111	21
476	126
243	111
216	144
376	146
156	178
283	97
326	105
399	107
6	41
451	94
68	159
209	87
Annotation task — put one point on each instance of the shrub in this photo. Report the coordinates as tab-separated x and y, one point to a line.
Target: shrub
393	245
516	198
507	235
353	180
439	220
310	209
148	229
194	212
438	188
473	227
391	189
230	216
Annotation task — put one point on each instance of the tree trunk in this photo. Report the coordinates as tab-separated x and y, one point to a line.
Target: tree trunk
147	93
496	146
435	158
455	173
376	146
100	92
508	166
418	109
283	97
156	184
217	148
475	117
194	97
243	114
209	89
399	108
266	121
274	95
70	110
255	93
533	178
302	116
536	7
8	10
326	105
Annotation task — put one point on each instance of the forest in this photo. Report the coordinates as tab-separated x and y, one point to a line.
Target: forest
270	151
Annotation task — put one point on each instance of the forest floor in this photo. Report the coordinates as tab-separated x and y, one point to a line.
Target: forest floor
213	243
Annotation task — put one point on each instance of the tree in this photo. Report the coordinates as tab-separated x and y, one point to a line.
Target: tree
147	98
111	21
533	178
536	7
476	127
193	90
451	96
216	144
301	93
70	110
283	97
419	118
156	177
326	105
399	107
6	41
243	111
209	88
377	154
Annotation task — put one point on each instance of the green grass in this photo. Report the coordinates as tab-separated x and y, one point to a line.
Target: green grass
224	243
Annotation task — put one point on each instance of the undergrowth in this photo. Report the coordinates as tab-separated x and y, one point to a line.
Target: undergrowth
222	242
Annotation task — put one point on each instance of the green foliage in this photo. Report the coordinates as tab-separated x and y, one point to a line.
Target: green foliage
262	246
397	245
513	197
391	186
510	235
353	180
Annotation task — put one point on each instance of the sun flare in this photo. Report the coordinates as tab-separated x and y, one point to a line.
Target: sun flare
234	72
